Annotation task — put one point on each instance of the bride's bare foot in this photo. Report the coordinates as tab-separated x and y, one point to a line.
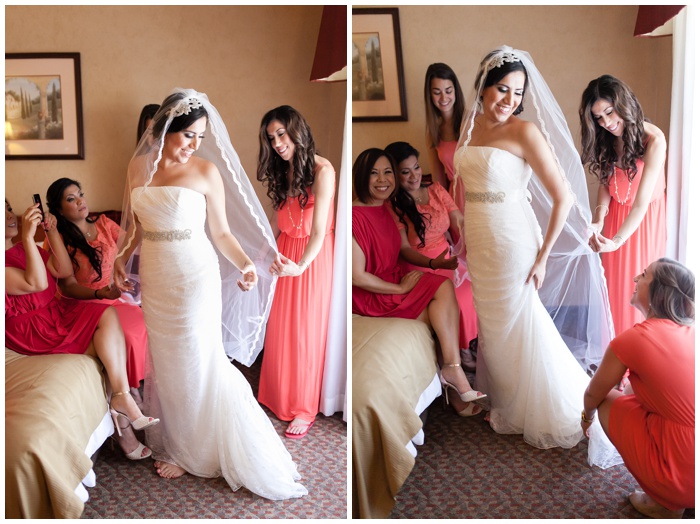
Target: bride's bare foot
168	470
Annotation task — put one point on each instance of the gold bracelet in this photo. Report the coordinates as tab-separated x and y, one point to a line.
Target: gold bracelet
584	419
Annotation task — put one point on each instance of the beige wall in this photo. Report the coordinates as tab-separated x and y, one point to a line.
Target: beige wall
570	45
247	59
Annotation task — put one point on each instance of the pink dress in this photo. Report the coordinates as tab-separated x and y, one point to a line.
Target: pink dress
654	429
295	342
647	243
39	324
446	154
130	315
374	230
439	207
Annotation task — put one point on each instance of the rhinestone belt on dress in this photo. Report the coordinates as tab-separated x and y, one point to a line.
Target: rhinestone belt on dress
487	197
492	197
175	234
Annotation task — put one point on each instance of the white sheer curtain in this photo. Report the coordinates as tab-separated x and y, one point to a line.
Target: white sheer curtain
683	193
333	392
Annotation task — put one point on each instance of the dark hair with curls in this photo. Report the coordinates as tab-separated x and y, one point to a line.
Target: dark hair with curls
498	73
362	169
73	238
672	292
147	113
432	114
403	203
597	143
179	122
272	169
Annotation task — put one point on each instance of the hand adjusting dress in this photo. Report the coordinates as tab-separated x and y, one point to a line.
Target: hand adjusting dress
196	315
533	346
211	424
534	382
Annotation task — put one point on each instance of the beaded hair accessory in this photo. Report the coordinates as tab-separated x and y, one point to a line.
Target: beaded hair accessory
500	59
184	107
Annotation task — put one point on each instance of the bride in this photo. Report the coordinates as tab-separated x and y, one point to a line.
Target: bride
533	379
211	423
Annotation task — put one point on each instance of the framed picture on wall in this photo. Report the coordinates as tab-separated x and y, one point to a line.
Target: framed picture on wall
43	106
378	92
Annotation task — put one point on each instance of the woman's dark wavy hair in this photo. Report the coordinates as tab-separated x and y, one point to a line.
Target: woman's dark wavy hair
148	112
597	143
403	203
272	169
179	122
497	74
432	115
672	292
362	169
73	238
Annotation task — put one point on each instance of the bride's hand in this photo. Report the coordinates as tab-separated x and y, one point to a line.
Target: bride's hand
250	278
537	273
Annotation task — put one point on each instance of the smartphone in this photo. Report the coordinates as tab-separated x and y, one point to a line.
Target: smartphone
37	200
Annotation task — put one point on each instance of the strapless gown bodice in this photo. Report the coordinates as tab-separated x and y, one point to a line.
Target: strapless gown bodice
534	383
211	424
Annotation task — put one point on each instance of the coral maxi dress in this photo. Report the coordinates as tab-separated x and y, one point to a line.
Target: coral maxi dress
647	243
438	210
295	342
130	314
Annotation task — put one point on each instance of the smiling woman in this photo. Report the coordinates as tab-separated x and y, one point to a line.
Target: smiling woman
626	153
301	185
382	288
212	424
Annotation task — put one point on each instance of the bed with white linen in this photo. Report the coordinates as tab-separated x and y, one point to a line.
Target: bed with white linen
394	379
56	417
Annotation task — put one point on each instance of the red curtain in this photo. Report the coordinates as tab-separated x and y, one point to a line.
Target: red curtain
332	45
651	17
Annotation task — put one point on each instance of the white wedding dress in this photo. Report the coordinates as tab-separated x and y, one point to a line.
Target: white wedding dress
535	385
211	425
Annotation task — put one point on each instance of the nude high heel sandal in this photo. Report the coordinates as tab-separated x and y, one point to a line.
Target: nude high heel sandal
469	396
142	422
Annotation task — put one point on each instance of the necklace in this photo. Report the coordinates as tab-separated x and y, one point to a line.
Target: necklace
629	189
420	199
87	233
301	217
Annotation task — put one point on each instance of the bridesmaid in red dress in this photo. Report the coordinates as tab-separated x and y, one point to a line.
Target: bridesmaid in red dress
627	155
652	423
444	111
37	323
424	215
381	287
92	247
301	185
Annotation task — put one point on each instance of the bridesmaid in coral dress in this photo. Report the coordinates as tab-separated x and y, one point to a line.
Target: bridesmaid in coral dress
301	185
627	155
424	215
92	247
444	110
652	423
381	287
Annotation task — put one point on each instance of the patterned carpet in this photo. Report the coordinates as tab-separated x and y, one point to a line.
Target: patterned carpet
127	489
466	470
